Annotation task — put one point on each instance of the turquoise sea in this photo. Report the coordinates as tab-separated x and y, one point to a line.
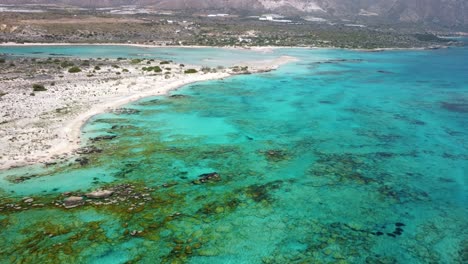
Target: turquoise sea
340	157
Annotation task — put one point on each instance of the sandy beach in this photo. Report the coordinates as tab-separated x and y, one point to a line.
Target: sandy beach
46	126
256	48
15	44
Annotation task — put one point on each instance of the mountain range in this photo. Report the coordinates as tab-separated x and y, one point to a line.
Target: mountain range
450	13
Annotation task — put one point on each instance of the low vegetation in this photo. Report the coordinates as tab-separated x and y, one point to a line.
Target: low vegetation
240	68
136	61
85	63
74	69
38	87
66	64
190	71
152	68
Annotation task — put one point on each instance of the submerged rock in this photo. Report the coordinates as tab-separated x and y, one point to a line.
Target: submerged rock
73	201
82	161
99	194
275	155
88	150
207	177
125	111
458	107
135	232
178	96
384	72
150	102
28	200
100	138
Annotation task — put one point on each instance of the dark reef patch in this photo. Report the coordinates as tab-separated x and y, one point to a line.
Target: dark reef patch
458	107
260	193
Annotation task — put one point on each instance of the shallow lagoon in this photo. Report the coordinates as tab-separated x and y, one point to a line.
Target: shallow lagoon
342	157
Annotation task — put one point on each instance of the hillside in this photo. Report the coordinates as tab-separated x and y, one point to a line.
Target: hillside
450	13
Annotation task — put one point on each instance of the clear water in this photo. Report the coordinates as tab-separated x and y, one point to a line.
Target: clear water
342	157
197	56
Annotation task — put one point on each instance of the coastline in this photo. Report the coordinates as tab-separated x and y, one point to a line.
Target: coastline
67	138
70	134
257	48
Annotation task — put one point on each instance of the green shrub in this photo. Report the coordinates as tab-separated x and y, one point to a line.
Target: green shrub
2	60
97	68
125	70
115	66
153	68
189	71
164	62
136	61
66	64
38	87
74	69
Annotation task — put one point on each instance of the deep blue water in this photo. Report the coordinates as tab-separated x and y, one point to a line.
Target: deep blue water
341	157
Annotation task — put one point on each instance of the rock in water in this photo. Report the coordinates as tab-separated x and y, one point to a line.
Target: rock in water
99	194
73	201
28	200
207	177
101	138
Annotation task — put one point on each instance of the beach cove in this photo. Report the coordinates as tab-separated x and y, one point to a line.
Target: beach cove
338	157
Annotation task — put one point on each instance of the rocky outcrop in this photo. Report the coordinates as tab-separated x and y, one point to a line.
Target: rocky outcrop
207	177
99	194
73	201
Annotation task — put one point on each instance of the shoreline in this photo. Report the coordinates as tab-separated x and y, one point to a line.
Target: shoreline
71	132
259	48
68	135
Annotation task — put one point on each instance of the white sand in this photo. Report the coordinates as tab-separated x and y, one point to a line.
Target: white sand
35	131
